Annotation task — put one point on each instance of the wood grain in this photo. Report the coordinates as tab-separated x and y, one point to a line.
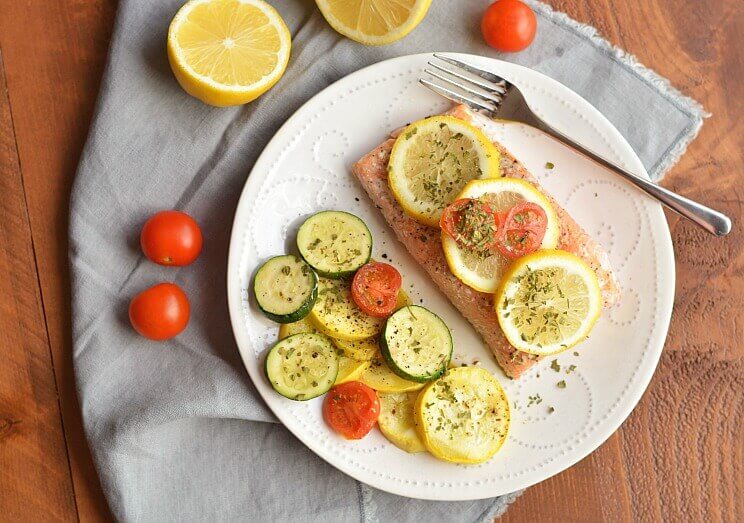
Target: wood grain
678	457
34	470
54	56
680	452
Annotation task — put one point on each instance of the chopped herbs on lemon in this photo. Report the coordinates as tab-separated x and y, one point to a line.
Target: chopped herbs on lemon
548	301
374	22
482	270
431	162
228	52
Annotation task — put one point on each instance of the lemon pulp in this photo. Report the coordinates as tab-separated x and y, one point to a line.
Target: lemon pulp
548	302
431	162
374	22
228	52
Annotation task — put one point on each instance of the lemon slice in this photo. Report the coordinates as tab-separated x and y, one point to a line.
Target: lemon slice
374	22
483	272
431	162
228	52
548	302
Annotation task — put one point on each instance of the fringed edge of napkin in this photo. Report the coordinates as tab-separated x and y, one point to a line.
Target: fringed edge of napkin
684	103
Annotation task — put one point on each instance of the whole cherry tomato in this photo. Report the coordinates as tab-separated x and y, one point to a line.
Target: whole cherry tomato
171	238
509	25
351	409
160	312
375	288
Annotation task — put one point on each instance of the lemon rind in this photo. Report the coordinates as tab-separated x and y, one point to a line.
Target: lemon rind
544	258
418	13
478	187
489	162
215	93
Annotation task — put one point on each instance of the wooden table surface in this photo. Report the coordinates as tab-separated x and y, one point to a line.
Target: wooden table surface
679	456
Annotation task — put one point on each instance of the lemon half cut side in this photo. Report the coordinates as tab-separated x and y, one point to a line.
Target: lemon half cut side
228	52
374	22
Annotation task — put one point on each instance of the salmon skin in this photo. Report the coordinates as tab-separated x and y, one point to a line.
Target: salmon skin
424	244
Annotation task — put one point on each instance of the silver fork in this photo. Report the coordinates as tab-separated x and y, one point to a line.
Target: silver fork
489	94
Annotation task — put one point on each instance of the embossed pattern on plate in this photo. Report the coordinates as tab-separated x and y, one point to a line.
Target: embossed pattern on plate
306	168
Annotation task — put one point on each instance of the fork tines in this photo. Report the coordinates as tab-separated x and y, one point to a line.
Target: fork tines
463	83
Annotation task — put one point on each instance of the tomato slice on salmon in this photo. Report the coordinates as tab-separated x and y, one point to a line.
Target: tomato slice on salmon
375	288
351	409
471	223
522	230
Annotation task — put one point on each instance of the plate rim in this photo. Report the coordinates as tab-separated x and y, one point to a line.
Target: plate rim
657	219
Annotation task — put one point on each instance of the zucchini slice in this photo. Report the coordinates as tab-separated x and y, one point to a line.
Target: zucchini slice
463	417
380	378
396	421
336	315
349	369
334	243
302	366
416	344
286	288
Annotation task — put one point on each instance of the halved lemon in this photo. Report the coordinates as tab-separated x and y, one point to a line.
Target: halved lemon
374	22
482	271
228	52
548	301
431	162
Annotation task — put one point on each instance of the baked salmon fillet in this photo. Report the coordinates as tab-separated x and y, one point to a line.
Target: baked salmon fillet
424	244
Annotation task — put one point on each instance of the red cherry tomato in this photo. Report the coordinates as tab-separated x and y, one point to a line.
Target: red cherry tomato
171	238
523	230
509	25
471	223
160	312
351	409
375	288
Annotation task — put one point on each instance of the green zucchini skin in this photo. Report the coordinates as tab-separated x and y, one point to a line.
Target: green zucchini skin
324	267
272	365
262	284
399	367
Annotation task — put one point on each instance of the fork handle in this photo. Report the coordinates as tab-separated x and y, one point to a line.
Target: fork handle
709	219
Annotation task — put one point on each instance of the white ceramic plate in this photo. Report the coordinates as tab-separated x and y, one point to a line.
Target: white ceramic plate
306	168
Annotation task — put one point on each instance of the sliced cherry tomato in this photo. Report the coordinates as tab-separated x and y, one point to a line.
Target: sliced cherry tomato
171	238
375	288
160	312
522	231
351	409
509	25
471	223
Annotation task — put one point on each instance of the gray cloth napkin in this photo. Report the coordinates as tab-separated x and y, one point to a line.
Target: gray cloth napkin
177	430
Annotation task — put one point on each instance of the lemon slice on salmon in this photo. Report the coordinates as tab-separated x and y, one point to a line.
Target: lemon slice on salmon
548	302
483	271
431	162
374	22
228	52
